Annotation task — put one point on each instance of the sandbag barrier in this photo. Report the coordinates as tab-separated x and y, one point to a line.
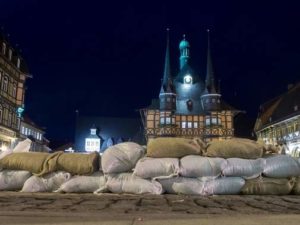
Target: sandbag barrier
128	168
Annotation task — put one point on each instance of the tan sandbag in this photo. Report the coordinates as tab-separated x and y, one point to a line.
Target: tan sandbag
37	163
78	163
268	186
296	188
169	147
235	148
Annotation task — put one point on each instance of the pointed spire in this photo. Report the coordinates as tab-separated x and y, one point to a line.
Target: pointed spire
167	69
210	79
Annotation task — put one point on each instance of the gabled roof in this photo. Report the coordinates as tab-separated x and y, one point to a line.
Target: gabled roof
279	108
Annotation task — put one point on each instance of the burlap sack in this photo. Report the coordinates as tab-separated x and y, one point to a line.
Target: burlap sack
35	162
235	148
78	163
169	147
268	186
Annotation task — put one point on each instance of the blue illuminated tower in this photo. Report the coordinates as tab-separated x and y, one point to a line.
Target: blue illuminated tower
184	47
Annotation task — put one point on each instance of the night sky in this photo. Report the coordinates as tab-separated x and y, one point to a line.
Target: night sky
105	58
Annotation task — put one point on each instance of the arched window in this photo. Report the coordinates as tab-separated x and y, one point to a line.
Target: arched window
14	90
5	84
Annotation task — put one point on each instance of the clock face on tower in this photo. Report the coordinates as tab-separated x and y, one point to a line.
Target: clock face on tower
187	79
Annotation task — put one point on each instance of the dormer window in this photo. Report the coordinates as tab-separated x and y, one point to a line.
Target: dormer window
18	63
9	54
188	79
3	48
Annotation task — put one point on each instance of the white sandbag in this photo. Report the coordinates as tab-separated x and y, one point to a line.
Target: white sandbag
121	158
182	185
46	183
83	184
199	166
13	180
127	183
246	168
23	146
156	167
281	166
224	186
5	153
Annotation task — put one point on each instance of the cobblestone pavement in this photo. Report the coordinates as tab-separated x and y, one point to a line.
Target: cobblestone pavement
139	206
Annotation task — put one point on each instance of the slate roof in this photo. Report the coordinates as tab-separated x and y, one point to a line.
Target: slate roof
279	108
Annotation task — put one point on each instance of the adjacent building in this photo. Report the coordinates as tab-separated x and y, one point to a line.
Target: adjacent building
13	74
28	129
187	105
98	133
278	121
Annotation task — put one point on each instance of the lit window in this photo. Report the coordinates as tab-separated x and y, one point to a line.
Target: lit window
183	124
189	124
214	100
23	130
168	120
26	131
195	124
296	107
207	121
162	120
214	121
14	91
188	79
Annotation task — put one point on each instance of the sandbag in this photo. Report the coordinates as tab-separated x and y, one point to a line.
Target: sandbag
182	185
23	146
156	167
246	168
37	163
46	183
78	163
83	184
224	186
281	166
170	147
13	180
235	148
127	183
198	166
296	188
268	186
121	158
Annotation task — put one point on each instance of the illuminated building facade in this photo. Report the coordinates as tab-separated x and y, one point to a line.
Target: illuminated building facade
187	106
13	73
278	121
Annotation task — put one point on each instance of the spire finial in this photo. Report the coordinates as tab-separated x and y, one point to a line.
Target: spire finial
183	36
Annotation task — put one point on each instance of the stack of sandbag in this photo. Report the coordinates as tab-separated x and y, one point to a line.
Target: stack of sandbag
118	162
178	164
